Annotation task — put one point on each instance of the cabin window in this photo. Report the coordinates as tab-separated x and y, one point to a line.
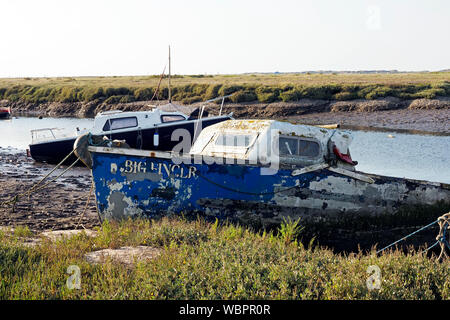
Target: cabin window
172	118
234	140
288	147
120	123
293	146
309	148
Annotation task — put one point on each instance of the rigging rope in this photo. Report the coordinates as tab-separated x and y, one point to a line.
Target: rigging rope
159	83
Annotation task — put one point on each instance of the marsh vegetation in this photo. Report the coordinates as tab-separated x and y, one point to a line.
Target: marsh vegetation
263	88
201	260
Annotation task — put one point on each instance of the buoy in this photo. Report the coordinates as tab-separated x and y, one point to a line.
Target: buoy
156	139
80	147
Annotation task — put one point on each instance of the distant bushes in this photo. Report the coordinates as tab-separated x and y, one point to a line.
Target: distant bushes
229	89
239	93
345	95
290	95
142	94
212	91
243	96
267	94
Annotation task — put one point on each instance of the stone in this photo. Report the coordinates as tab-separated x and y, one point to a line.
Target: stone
60	234
124	255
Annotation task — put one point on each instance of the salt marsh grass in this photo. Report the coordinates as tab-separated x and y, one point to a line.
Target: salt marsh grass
264	88
201	260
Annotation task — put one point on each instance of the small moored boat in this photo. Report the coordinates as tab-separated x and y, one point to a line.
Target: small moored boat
147	130
5	112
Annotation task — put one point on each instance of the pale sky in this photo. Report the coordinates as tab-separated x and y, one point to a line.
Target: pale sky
49	38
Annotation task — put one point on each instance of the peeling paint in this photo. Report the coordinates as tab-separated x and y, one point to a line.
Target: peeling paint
114	185
231	191
141	176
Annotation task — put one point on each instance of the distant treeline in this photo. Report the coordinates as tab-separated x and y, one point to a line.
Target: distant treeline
240	93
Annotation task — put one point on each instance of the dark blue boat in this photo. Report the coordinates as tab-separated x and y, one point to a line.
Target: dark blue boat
146	130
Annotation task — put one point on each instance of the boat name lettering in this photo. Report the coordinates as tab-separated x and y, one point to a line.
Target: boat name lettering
160	168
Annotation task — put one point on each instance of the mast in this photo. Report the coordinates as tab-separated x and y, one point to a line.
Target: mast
170	93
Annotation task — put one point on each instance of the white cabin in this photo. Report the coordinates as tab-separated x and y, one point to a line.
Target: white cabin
118	121
269	141
114	121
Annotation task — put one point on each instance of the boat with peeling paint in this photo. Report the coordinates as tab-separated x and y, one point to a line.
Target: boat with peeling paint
256	172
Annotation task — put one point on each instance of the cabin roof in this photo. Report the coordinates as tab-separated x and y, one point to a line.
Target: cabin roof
258	133
264	127
243	125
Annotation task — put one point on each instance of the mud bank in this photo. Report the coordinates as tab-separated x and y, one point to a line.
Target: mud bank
404	120
58	206
425	115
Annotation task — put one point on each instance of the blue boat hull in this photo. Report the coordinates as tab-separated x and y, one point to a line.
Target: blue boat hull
129	184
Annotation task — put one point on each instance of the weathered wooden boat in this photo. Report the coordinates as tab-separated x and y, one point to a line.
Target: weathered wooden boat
256	172
147	130
5	112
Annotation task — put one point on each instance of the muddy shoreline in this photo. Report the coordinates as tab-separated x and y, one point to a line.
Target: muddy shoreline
419	115
59	206
436	122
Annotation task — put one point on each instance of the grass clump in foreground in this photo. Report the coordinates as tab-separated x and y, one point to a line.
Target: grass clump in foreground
200	260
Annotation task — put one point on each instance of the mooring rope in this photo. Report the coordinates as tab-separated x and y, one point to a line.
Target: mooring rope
426	250
86	206
36	187
48	174
405	237
442	240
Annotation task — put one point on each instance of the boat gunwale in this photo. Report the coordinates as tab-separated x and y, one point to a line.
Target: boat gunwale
63	139
191	159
